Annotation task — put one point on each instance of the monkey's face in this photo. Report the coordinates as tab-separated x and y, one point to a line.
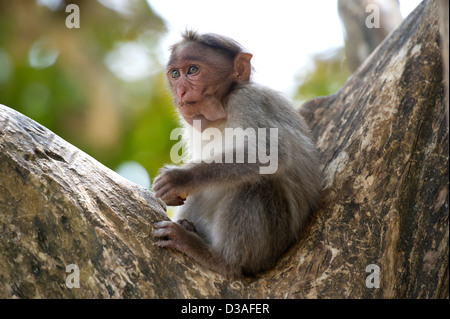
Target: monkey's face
199	78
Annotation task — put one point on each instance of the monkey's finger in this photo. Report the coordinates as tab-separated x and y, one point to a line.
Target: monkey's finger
163	169
167	229
162	232
162	224
159	180
178	201
159	193
169	196
172	199
166	244
162	190
157	183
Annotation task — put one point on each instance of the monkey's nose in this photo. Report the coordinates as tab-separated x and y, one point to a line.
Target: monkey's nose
181	91
180	97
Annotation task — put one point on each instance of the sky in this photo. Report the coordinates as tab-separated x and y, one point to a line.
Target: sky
282	35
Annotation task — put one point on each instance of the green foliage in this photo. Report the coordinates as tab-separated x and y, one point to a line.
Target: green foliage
67	80
327	74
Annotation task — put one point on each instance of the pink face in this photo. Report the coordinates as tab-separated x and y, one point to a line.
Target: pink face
199	79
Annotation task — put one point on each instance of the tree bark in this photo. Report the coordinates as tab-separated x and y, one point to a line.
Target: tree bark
443	19
384	143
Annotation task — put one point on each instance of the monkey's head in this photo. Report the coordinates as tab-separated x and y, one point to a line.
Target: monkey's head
202	71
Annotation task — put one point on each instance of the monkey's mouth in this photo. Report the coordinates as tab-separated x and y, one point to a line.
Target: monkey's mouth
187	103
194	116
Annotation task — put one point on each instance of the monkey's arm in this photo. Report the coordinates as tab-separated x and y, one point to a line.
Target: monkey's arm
175	183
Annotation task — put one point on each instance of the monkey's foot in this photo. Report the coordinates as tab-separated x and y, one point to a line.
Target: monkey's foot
187	225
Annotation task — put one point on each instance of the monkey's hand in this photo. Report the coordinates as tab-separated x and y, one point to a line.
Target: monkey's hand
168	185
174	235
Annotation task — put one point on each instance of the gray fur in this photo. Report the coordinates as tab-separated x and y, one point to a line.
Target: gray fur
249	219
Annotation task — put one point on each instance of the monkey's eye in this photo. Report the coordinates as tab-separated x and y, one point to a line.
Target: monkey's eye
175	74
193	69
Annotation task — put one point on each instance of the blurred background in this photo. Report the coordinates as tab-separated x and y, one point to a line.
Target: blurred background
102	86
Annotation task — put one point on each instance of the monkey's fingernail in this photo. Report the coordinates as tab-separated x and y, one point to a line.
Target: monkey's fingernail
157	224
158	243
183	196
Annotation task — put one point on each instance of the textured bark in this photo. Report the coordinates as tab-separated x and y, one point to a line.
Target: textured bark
444	23
384	140
384	144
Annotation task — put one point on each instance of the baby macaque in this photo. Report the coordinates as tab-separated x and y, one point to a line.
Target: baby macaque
236	217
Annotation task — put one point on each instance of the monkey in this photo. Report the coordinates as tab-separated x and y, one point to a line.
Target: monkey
231	218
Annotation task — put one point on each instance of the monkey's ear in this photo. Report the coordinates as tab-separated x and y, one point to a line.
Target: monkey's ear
243	67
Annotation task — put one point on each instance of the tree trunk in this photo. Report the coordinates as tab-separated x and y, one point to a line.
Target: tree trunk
381	230
366	23
443	19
